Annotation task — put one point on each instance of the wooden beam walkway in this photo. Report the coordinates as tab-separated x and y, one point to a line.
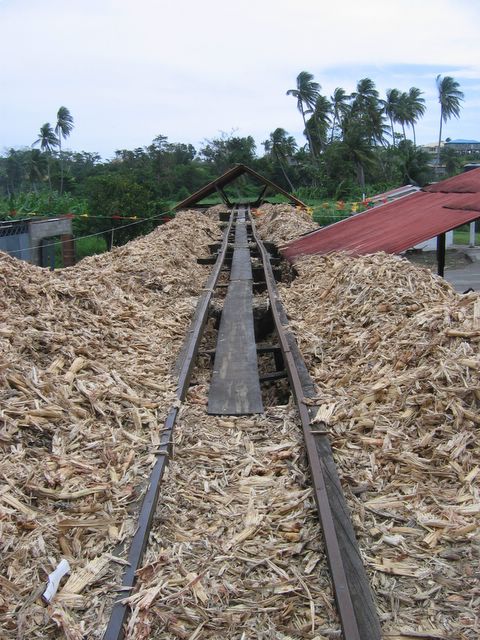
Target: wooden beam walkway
235	384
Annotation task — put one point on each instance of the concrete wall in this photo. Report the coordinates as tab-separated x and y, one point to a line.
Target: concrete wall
40	229
17	246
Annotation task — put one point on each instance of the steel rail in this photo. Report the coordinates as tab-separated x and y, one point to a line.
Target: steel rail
355	604
115	627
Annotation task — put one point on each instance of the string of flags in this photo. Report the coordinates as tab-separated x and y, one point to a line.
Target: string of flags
76	215
352	207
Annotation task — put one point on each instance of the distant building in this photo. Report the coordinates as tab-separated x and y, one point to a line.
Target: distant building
463	147
439	170
432	147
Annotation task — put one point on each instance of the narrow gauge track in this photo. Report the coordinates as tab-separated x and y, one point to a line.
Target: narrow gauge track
355	604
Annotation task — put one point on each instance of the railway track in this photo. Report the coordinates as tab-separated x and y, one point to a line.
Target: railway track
242	266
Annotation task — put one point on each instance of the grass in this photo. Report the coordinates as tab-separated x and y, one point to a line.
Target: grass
89	246
462	236
83	247
325	211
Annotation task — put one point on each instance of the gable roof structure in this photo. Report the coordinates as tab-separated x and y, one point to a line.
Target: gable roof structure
218	185
399	225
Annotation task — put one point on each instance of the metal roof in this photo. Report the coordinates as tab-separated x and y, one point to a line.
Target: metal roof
392	228
394	194
217	185
466	202
462	141
468	182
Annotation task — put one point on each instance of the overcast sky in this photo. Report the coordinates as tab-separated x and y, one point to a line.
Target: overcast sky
129	70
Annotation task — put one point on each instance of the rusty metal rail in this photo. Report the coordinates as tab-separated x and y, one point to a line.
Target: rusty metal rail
355	603
118	616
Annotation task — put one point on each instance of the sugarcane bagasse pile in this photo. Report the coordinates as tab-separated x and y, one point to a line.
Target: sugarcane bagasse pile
85	358
235	550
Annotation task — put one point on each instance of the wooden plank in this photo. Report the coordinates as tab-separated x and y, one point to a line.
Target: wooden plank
241	261
241	239
235	386
241	265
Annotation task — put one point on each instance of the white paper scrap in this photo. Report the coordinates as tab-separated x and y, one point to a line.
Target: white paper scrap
54	580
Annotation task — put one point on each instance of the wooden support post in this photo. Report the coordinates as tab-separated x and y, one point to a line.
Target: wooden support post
441	238
223	196
260	197
68	250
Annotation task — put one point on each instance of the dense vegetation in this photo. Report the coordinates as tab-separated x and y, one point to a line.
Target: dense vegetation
355	144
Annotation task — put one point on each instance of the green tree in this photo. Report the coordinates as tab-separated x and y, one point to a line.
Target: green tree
449	97
46	138
367	108
365	95
14	171
403	112
114	194
63	129
451	161
306	93
36	167
47	141
319	123
413	163
340	107
390	106
357	144
282	147
416	109
222	153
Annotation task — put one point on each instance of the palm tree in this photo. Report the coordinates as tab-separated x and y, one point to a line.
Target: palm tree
375	122
319	123
36	166
339	107
47	141
416	109
390	107
14	171
413	163
367	108
365	94
357	146
449	97
46	138
281	146
403	111
63	129
306	93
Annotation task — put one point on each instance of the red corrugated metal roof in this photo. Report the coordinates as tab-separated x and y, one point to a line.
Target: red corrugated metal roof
466	201
393	227
468	182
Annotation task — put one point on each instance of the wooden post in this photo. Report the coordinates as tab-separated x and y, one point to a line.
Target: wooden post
441	254
223	195
68	250
262	193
